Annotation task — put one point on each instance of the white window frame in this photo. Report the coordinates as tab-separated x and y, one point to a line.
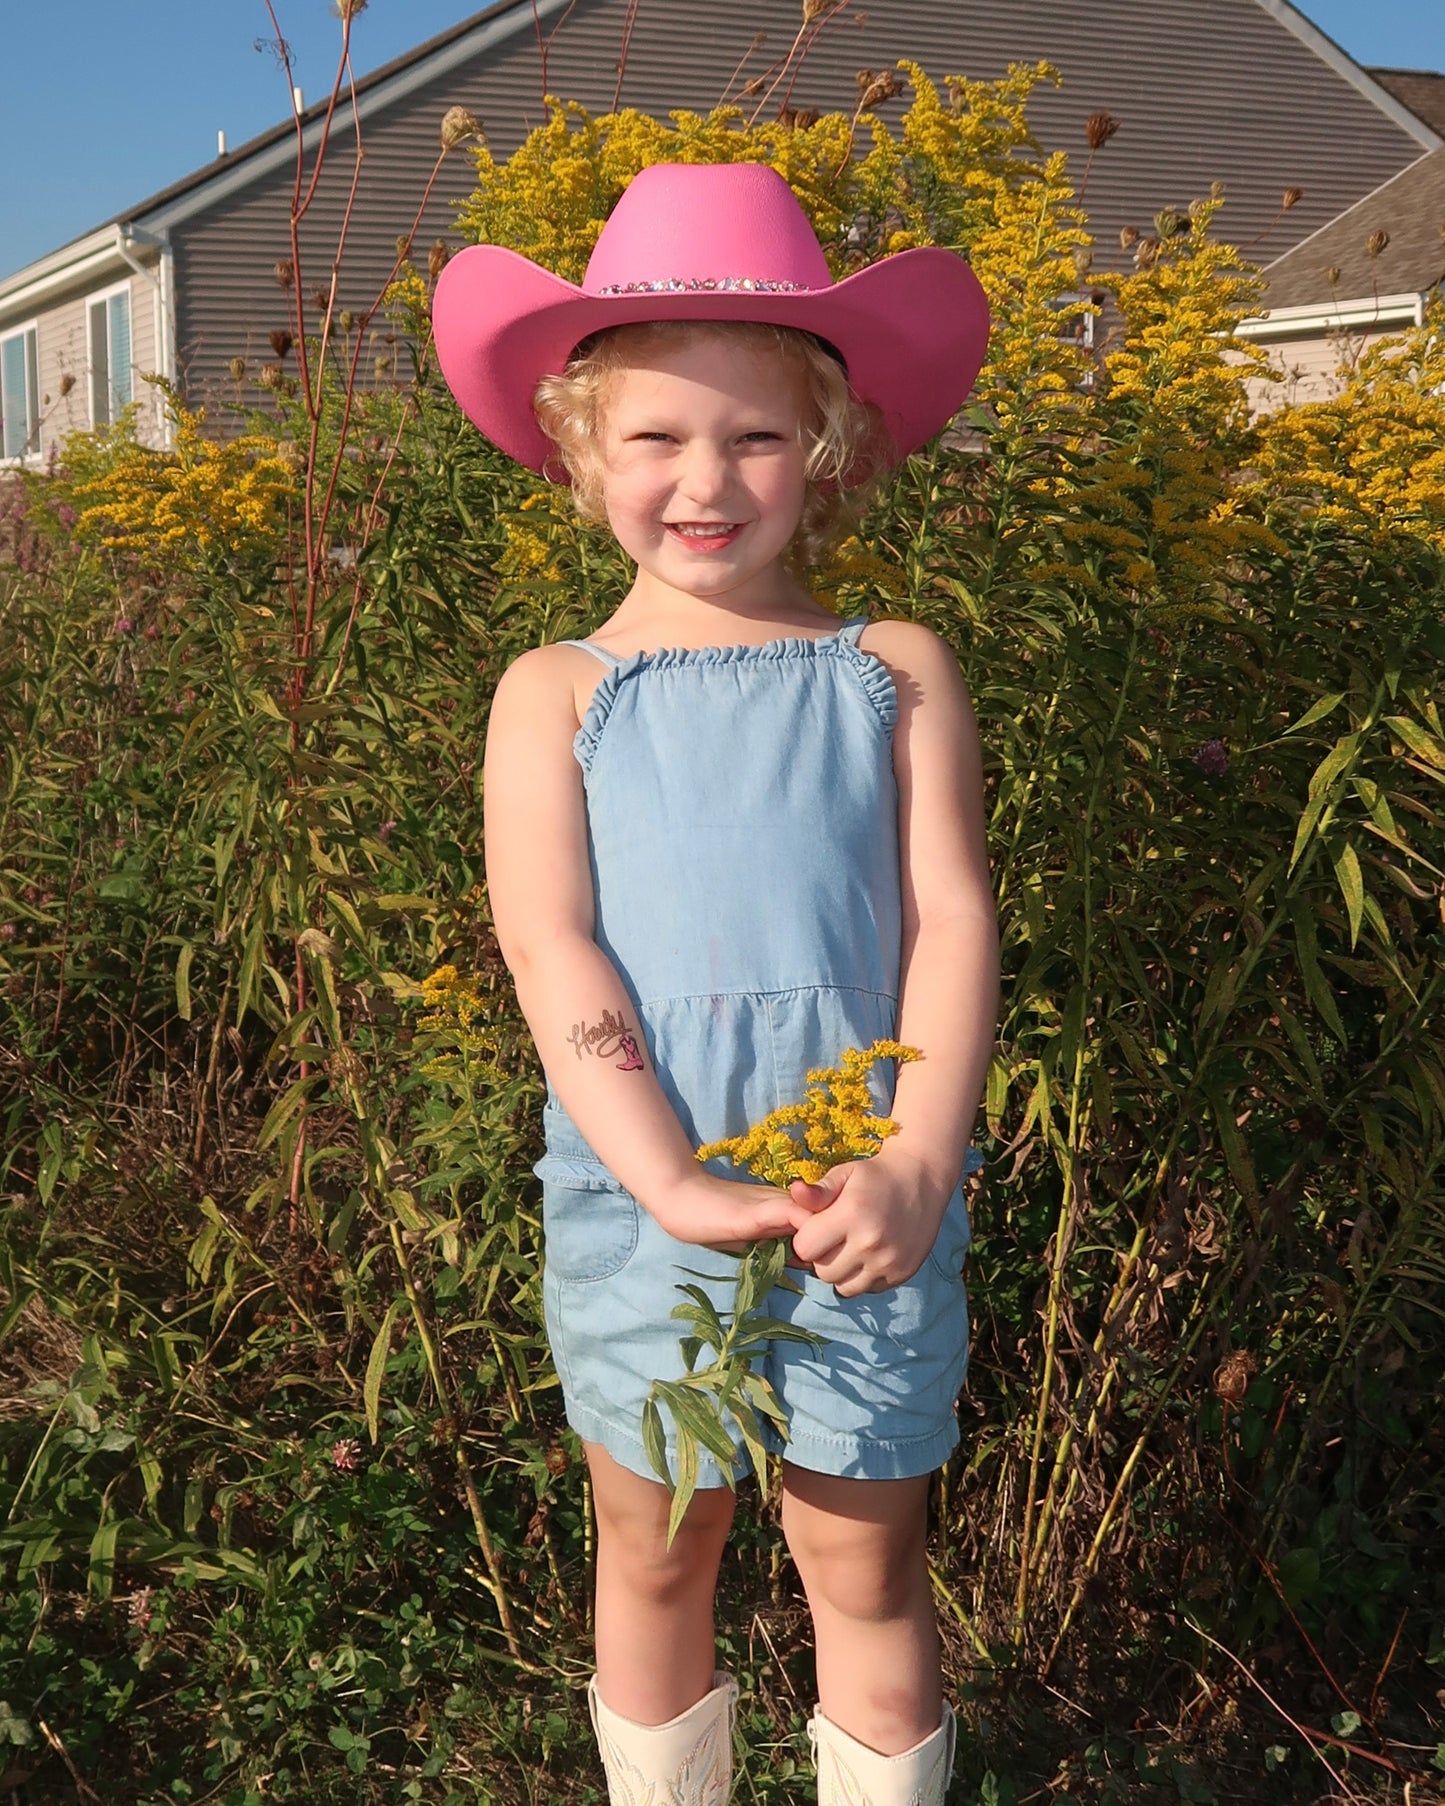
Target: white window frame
100	301
24	329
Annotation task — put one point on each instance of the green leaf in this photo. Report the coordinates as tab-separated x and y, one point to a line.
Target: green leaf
1307	955
654	1441
686	1483
285	1107
1423	744
1352	885
101	1577
1317	711
376	1368
183	979
246	986
1299	1574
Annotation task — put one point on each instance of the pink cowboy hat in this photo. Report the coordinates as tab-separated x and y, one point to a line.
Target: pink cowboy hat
710	242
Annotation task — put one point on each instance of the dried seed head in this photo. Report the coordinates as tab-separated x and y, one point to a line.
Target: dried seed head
816	9
67	383
882	87
459	124
348	9
346	319
1128	237
403	247
281	341
1291	198
237	368
1333	274
1169	222
1216	191
759	39
1099	129
755	86
437	259
1083	261
1231	1379
1146	252
1377	241
285	271
865	79
270	375
321	297
382	364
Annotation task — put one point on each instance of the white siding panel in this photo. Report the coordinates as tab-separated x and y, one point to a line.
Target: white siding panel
1313	367
63	337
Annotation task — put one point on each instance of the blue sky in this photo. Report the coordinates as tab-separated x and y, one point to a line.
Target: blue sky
119	98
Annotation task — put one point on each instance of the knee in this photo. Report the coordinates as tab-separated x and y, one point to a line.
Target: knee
866	1572
632	1541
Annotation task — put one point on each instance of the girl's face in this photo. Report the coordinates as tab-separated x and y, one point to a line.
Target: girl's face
703	478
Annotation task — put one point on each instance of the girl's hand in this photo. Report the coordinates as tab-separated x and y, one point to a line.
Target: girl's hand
727	1214
873	1223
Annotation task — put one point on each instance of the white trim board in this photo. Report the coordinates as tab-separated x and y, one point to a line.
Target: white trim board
1384	311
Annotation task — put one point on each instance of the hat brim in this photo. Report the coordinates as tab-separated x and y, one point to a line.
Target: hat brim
912	330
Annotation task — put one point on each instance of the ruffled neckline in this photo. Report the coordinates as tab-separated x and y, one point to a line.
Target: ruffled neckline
876	678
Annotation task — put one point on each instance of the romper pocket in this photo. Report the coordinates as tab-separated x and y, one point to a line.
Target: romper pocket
954	1235
589	1223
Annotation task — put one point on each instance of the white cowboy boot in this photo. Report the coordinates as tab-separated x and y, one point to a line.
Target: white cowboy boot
851	1774
686	1762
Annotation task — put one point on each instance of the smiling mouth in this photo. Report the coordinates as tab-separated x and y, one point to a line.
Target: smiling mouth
704	532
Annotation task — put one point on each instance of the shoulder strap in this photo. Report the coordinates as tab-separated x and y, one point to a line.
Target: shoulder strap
849	632
610	659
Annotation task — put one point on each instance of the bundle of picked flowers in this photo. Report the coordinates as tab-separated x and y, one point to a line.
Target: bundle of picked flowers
834	1123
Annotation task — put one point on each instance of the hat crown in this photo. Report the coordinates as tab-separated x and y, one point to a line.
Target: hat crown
692	224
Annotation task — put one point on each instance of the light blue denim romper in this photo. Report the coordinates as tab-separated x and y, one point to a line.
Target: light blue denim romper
743	830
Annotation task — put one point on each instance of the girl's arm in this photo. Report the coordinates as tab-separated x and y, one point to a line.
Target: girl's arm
888	1209
587	1032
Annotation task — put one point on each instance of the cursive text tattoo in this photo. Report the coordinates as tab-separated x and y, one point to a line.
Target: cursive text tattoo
609	1036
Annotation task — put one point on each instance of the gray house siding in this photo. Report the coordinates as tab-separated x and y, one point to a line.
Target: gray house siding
1239	91
1218	91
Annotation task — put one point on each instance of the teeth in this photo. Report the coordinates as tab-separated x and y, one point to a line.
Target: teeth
709	530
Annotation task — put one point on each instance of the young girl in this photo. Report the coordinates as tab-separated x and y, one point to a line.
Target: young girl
726	839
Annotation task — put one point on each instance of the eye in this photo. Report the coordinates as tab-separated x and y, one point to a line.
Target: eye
651	438
763	435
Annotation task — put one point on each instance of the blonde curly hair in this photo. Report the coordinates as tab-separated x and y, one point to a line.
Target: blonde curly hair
845	441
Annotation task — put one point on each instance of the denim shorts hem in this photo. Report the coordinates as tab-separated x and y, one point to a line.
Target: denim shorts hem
868	1458
625	1448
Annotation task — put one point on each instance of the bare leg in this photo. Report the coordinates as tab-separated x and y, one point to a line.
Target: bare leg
860	1547
654	1604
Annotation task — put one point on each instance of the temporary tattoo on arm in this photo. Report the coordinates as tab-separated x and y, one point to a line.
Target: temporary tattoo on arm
609	1036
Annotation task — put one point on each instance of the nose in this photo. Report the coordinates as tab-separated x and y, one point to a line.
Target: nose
706	476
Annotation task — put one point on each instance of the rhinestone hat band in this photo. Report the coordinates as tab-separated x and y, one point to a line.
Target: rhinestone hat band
677	285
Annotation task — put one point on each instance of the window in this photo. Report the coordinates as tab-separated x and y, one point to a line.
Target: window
19	393
110	385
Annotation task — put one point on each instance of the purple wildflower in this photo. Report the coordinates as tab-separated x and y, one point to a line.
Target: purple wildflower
1212	759
386	830
344	1454
125	624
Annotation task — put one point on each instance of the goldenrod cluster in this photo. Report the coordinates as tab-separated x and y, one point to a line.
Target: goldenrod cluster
1373	456
836	1118
224	495
455	1007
